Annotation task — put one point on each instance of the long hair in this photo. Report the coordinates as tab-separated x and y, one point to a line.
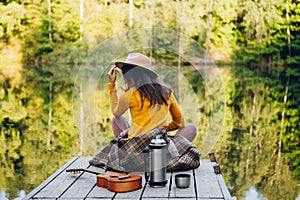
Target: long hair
148	85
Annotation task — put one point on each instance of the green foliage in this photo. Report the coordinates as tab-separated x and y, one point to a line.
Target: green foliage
251	149
10	19
261	36
24	117
263	32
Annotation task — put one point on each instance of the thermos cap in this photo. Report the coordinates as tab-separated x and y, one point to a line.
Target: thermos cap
157	142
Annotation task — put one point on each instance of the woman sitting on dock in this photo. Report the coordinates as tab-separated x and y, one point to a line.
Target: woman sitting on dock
150	103
149	100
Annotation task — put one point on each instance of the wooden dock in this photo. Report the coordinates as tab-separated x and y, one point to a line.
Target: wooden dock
205	184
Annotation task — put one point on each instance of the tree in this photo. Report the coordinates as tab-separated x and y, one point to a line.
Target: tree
11	15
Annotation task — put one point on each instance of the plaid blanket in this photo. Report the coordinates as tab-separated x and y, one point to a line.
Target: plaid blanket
132	154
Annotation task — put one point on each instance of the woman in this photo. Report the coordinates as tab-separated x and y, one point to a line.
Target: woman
150	101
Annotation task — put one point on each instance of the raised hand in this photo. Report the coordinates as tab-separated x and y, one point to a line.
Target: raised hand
113	74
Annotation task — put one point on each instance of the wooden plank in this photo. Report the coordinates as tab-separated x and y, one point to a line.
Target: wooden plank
152	198
206	164
81	187
223	187
183	192
133	194
207	183
98	192
63	181
49	179
63	185
98	198
209	199
83	184
159	192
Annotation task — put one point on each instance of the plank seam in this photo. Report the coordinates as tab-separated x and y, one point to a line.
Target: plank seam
90	191
225	195
170	185
195	184
69	186
114	196
146	183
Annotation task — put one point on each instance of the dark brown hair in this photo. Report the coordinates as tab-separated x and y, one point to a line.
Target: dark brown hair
148	85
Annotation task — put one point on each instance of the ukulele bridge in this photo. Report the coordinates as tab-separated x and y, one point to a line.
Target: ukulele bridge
123	177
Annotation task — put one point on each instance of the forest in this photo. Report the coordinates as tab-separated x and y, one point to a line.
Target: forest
254	43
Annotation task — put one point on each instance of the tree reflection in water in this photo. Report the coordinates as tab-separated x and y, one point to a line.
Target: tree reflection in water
247	149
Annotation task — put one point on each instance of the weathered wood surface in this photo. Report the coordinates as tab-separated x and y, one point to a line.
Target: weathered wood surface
205	184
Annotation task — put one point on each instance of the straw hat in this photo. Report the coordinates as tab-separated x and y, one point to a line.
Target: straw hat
137	60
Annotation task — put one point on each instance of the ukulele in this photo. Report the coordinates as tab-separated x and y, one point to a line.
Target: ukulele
115	181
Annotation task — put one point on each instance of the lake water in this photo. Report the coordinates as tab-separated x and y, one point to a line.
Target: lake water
38	135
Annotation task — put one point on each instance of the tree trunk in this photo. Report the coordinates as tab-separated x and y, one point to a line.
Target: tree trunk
49	116
208	24
282	121
270	64
49	21
81	127
252	116
178	16
288	31
257	26
81	19
179	66
130	13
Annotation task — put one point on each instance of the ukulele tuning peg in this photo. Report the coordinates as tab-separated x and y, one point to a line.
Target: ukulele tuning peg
75	173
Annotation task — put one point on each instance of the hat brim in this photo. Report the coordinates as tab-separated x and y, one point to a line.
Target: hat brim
121	64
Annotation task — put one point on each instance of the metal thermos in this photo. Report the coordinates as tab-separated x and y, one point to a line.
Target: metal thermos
158	162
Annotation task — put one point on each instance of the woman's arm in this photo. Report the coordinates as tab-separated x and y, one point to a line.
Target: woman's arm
118	106
177	118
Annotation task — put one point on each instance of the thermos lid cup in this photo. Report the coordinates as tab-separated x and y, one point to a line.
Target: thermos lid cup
182	180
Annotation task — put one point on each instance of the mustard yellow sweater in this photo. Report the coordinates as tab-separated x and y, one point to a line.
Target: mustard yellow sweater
147	118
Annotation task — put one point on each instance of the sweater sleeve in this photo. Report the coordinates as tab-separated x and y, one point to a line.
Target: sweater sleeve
177	119
118	105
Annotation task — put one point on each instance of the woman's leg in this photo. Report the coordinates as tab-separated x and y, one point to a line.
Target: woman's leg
189	131
119	124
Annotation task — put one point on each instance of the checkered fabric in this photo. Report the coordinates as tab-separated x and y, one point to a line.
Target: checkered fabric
132	154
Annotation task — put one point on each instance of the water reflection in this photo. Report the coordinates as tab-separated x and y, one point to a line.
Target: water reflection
253	194
33	147
5	196
21	195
